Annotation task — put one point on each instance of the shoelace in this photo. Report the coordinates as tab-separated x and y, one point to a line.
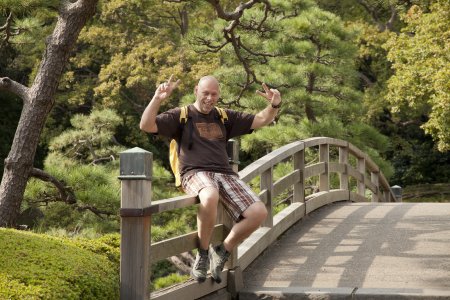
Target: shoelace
202	261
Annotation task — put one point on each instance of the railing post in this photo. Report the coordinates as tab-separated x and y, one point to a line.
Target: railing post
299	187
233	154
387	195
266	183
343	159
374	178
362	170
324	178
222	216
135	176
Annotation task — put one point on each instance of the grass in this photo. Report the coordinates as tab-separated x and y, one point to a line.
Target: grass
439	192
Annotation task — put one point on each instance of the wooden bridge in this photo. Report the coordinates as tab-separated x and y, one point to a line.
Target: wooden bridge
339	241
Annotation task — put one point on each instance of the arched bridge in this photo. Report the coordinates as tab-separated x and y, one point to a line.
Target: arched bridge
347	238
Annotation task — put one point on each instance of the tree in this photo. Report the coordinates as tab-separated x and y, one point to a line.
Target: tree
420	58
37	103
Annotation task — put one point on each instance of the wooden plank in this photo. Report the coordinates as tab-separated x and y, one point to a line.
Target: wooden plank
269	160
134	257
376	196
385	184
191	289
299	187
263	196
369	184
354	173
337	168
285	182
313	170
355	151
361	166
371	165
316	141
324	178
266	183
343	160
173	203
320	199
259	240
182	243
355	197
135	241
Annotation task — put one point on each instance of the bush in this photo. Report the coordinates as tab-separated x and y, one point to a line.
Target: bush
172	279
34	266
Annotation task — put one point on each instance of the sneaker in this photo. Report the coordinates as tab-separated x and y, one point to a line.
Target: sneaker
218	256
200	267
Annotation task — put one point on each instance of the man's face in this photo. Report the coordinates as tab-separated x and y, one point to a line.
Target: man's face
207	93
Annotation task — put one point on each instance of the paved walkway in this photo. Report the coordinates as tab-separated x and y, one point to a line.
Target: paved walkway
342	248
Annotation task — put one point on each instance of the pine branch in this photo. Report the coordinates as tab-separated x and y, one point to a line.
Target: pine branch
390	23
7	28
65	192
98	212
102	159
238	12
231	38
15	88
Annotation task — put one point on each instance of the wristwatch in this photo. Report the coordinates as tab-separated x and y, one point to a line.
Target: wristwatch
276	106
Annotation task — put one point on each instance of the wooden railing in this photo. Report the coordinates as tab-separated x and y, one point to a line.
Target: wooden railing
137	252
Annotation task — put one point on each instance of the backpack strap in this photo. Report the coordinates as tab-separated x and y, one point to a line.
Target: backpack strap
184	117
224	119
222	114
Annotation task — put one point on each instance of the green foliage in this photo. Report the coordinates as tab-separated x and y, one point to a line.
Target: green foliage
40	267
168	281
91	139
420	84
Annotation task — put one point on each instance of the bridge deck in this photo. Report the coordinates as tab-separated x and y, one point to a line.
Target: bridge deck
360	246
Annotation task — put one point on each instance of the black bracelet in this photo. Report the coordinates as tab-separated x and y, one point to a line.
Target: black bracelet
276	106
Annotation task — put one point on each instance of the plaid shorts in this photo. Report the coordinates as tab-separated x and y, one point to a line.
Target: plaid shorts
235	195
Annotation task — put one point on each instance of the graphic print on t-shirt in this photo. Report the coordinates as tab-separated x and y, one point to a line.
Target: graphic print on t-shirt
209	131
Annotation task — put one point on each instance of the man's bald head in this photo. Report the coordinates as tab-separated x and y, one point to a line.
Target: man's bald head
209	80
207	93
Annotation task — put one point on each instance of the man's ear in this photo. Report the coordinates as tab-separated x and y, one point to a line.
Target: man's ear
195	90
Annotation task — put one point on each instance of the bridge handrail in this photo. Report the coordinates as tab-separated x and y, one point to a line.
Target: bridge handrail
137	208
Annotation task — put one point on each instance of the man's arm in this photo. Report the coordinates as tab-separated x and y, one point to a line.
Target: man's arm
267	115
148	119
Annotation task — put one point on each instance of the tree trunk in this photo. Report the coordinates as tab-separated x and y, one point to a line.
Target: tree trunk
38	101
309	89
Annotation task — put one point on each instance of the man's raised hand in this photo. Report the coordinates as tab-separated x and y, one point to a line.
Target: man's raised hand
165	89
272	95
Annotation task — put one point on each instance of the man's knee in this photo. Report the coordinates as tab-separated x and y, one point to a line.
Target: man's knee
257	211
209	197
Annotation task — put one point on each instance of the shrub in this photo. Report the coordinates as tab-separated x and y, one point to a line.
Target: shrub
169	280
34	266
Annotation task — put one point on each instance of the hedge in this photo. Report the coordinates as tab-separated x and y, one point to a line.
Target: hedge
35	266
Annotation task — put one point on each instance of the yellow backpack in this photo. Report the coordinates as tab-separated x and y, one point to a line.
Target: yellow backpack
174	149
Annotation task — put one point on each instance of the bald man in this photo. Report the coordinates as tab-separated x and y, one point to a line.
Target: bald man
205	170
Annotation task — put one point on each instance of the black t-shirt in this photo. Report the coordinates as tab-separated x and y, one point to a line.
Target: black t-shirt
207	135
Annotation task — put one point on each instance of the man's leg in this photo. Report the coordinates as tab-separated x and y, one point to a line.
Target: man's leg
206	215
206	218
253	217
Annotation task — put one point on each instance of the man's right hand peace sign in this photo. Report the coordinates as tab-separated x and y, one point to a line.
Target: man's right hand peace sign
165	89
